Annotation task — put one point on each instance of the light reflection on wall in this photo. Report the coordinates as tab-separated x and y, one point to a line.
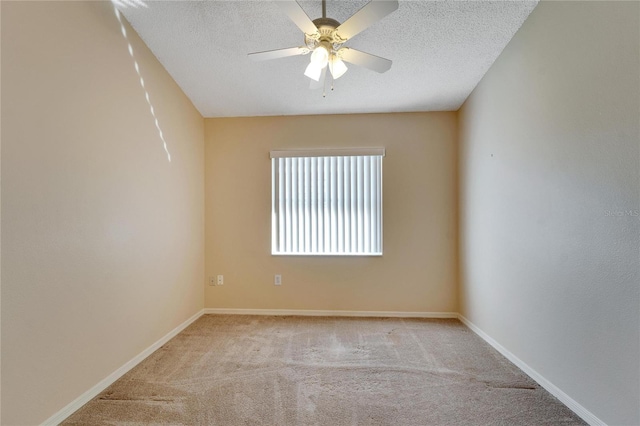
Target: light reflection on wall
129	3
138	3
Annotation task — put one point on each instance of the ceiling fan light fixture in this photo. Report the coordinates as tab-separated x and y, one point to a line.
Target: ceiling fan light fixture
319	60
320	56
337	67
313	71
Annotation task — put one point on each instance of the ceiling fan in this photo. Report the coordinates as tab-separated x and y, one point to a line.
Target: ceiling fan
325	37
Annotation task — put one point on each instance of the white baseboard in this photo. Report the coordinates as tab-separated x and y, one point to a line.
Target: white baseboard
585	414
107	381
314	313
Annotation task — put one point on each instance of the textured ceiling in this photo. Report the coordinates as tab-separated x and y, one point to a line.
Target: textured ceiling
440	51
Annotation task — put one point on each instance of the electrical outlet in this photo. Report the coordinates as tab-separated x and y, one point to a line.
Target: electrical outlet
277	280
220	279
212	280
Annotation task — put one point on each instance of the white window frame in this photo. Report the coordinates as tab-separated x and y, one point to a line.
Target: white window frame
350	193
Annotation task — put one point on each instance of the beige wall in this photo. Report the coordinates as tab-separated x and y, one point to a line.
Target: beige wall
417	272
550	202
102	237
0	223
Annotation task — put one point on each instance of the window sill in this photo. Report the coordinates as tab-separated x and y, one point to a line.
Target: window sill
328	254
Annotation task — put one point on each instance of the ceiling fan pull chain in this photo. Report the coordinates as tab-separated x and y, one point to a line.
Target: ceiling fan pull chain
324	86
332	80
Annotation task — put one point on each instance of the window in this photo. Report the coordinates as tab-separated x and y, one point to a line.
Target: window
327	202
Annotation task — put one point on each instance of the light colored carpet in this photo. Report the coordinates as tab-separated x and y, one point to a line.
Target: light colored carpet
256	370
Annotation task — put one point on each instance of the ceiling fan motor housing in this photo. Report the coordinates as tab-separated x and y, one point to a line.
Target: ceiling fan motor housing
327	35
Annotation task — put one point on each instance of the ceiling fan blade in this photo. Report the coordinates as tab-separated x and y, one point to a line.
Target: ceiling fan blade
356	57
298	16
320	83
279	53
371	13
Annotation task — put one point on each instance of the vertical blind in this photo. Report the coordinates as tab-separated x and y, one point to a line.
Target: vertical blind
327	202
